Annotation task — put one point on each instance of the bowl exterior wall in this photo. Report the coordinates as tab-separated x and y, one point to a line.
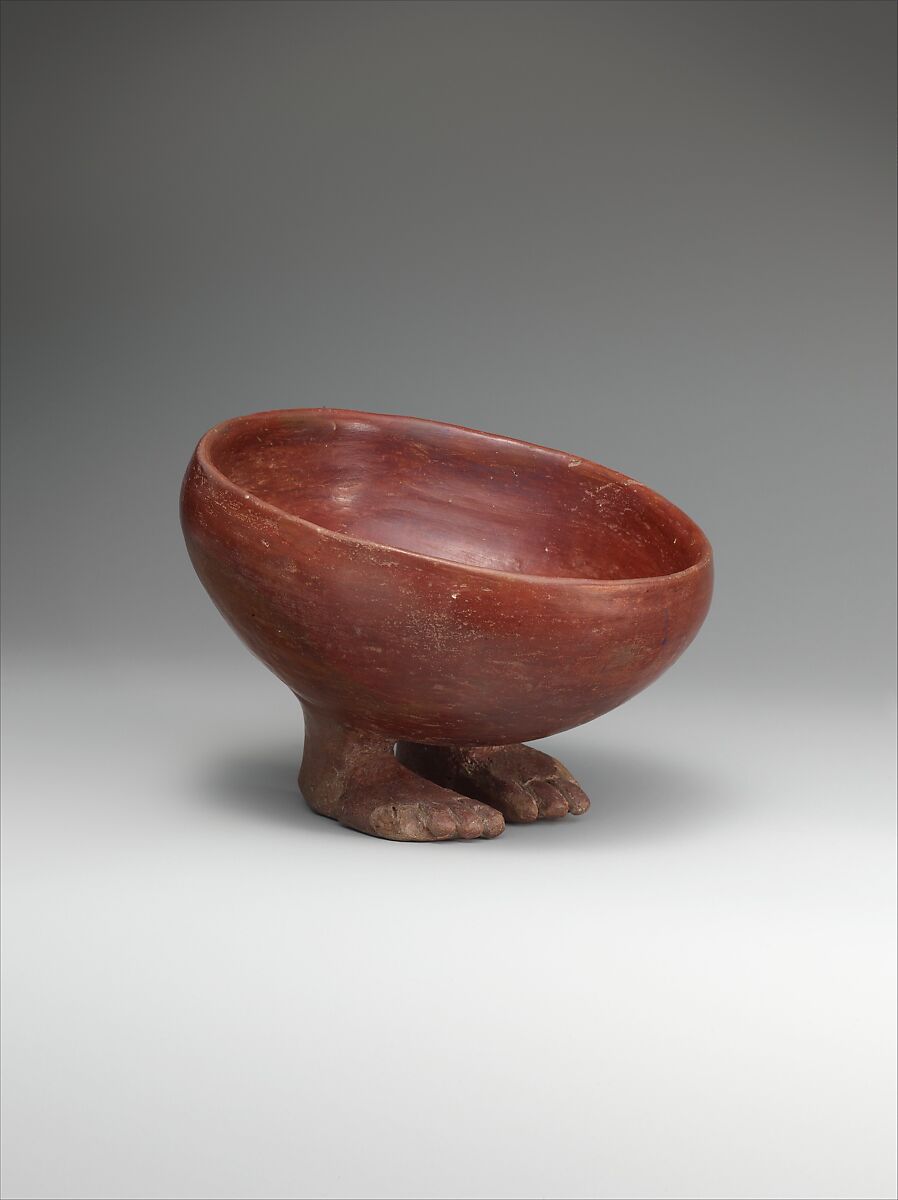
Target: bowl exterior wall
426	650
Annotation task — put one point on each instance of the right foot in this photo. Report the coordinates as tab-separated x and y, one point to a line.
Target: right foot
524	784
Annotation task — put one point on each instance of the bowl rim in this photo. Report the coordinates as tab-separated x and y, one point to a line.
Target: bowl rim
203	455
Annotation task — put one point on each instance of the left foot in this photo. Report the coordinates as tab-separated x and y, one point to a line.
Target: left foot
355	778
522	783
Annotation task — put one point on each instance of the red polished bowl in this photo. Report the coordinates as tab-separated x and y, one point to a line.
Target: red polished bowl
428	582
451	591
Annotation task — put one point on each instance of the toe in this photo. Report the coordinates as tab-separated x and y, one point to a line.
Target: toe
436	822
550	800
475	820
492	822
577	799
439	820
518	805
480	821
389	821
469	820
412	822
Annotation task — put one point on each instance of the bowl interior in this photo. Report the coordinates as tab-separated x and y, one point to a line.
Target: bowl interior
455	494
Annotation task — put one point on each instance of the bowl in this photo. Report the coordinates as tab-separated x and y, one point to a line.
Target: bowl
452	591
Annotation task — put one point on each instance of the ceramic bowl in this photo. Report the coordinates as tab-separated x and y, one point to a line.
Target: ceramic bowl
416	581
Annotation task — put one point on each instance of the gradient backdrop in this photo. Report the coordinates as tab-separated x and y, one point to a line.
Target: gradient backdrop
660	235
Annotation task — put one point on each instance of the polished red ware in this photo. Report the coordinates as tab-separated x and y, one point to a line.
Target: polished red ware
452	591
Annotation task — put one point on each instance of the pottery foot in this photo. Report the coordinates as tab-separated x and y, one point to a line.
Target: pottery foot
522	783
355	778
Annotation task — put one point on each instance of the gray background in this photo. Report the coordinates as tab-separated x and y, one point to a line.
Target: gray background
660	235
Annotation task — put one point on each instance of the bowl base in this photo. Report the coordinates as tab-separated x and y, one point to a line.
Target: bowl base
428	793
